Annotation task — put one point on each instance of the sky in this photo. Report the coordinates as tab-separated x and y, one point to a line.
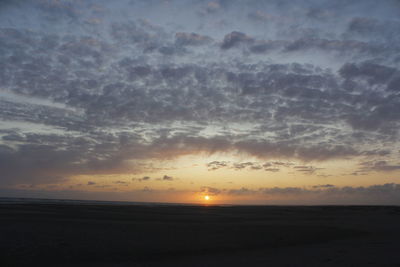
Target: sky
248	102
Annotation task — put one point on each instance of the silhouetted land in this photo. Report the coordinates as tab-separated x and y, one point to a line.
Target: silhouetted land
49	234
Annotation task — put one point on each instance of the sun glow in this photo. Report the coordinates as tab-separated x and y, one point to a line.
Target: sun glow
206	197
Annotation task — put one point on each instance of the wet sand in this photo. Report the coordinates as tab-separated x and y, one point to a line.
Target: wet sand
48	234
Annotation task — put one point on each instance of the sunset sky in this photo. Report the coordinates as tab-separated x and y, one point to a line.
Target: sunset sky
248	102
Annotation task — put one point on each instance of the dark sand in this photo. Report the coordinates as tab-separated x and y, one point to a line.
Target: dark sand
39	234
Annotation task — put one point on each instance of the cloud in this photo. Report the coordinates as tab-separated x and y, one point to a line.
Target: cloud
271	169
147	189
325	194
121	182
373	73
167	178
189	39
255	166
381	29
144	178
306	169
380	166
379	194
210	190
215	165
265	149
243	165
86	91
234	39
260	16
323	186
241	191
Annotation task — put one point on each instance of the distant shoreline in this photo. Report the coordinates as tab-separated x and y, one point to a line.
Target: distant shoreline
22	200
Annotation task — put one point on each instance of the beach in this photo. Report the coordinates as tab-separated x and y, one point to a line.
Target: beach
91	234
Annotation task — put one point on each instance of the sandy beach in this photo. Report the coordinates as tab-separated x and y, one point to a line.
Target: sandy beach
71	234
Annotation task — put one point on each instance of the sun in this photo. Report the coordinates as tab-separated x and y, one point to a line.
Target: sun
207	197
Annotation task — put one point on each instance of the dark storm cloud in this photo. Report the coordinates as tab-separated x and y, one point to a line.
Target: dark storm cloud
119	82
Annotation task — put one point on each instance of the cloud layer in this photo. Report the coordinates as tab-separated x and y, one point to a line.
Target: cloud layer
95	87
326	194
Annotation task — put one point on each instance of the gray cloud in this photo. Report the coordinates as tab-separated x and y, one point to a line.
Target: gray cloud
94	86
215	165
234	39
306	169
378	165
273	166
144	178
323	186
210	190
167	178
189	39
121	183
327	194
272	169
379	194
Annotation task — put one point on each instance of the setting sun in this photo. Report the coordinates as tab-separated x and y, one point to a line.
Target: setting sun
206	197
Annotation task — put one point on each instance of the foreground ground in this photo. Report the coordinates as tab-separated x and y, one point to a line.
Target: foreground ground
134	235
